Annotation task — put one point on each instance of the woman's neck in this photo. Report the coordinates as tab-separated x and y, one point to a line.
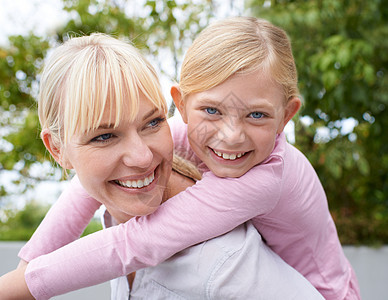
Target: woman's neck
176	184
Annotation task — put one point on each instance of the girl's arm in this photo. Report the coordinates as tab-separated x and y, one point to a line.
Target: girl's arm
213	206
13	285
65	222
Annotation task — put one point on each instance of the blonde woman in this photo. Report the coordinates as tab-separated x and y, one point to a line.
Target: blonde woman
102	114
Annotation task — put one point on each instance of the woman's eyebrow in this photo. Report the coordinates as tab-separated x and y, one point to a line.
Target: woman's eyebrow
146	116
106	126
150	113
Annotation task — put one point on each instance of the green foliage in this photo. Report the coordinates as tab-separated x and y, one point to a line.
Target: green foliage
18	84
19	225
19	63
26	148
340	48
93	226
98	16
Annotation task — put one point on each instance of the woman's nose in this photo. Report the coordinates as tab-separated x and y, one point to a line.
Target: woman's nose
137	153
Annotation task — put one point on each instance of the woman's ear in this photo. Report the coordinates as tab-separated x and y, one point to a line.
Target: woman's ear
292	107
177	97
55	149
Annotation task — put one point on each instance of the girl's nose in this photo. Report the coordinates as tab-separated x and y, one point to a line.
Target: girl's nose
232	132
137	152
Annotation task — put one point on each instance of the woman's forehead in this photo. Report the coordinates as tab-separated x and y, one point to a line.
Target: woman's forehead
129	111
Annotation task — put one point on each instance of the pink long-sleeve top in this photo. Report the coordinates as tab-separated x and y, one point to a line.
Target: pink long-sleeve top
282	196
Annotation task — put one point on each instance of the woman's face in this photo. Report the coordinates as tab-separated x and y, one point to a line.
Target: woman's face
125	168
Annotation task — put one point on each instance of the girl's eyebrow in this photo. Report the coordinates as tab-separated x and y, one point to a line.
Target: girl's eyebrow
205	100
262	105
234	103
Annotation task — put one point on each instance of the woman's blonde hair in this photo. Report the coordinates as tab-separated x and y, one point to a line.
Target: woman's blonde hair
236	45
88	75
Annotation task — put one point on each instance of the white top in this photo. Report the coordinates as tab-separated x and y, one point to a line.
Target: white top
236	265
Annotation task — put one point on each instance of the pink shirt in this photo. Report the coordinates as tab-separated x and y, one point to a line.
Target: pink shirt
282	196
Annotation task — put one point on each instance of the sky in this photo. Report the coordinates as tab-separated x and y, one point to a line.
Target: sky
21	16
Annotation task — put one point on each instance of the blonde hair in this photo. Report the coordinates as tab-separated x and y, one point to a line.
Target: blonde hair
88	75
237	45
185	168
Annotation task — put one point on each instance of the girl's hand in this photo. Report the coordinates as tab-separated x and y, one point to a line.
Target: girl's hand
13	285
22	264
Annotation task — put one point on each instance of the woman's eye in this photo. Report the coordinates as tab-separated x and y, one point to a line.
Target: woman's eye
155	122
103	137
211	110
256	115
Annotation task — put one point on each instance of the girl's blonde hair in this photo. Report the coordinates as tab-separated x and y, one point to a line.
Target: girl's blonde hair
88	75
185	168
236	45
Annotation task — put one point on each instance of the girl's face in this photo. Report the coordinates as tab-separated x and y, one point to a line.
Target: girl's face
125	168
233	126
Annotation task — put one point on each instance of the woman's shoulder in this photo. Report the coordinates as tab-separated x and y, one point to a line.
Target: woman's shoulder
236	265
189	273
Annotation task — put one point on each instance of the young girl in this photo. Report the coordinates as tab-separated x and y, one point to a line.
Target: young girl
238	90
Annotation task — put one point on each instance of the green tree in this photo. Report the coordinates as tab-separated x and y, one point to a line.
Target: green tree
20	147
20	225
340	48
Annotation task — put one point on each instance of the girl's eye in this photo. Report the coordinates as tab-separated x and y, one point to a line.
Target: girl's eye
103	137
256	115
211	110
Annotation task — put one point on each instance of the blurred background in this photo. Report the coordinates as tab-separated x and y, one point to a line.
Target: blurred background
341	52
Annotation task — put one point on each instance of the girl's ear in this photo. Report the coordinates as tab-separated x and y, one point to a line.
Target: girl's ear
292	107
54	149
177	97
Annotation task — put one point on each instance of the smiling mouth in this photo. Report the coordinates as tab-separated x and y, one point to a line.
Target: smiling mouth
229	156
137	184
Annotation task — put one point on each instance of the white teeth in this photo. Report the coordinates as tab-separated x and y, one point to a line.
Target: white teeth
137	183
146	181
229	156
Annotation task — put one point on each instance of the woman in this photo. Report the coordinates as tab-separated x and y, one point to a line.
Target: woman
103	114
